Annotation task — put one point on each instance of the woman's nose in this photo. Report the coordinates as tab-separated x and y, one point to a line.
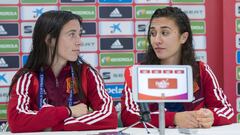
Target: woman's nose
79	41
158	39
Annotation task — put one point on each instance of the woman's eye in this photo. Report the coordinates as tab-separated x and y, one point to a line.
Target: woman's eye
153	33
72	34
165	33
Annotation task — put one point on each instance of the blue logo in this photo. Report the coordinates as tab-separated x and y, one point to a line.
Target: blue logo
24	59
2	78
38	12
238	57
115	90
115	1
115	27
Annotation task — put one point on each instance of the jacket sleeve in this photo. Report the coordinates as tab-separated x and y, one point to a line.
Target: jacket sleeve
23	114
104	115
130	109
215	99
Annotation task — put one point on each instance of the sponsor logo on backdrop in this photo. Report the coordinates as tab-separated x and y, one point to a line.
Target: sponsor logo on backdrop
238	57
2	30
27	28
3	111
238	72
8	13
9	46
238	104
9	1
238	41
6	77
24	59
88	44
115	13
237	9
116	59
26	45
9	62
145	12
77	1
3	63
91	58
141	27
142	43
198	27
201	56
37	12
238	25
193	11
238	88
109	12
4	94
8	29
115	1
89	28
116	28
140	57
39	1
33	12
151	1
199	42
116	43
114	90
111	75
106	75
86	12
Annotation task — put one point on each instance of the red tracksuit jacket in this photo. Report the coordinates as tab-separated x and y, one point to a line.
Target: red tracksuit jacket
207	94
25	116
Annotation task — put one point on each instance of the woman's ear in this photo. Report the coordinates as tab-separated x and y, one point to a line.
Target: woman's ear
184	37
50	41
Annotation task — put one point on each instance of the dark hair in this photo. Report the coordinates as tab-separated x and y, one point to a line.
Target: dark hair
49	24
183	23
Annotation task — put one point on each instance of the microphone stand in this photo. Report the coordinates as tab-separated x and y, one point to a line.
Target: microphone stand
144	119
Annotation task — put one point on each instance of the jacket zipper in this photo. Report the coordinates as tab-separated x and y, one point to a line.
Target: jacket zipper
57	83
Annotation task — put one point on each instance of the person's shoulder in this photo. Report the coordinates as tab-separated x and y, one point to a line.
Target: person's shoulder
204	67
24	71
86	67
202	64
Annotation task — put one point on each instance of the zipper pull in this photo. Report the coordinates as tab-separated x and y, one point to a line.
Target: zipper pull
57	83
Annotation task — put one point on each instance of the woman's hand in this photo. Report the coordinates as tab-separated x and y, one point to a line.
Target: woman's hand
205	118
186	119
79	110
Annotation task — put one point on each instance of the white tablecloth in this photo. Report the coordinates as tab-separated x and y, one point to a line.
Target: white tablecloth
233	129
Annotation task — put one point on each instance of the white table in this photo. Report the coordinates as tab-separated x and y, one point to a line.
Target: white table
233	129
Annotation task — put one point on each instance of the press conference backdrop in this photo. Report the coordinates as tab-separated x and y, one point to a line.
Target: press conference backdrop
113	34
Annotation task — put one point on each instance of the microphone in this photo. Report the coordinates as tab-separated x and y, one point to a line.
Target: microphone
144	112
